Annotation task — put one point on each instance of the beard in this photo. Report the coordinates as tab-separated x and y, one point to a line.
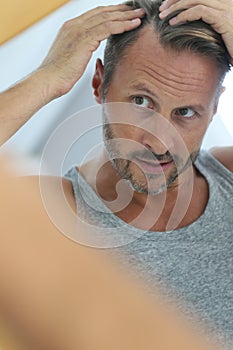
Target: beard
140	182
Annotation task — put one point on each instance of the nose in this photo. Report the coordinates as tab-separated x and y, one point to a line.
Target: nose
155	145
158	136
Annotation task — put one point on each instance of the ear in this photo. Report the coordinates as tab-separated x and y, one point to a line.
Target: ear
97	81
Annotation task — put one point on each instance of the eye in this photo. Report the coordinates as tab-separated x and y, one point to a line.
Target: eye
186	112
142	101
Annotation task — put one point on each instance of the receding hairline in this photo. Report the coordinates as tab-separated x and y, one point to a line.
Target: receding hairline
166	46
197	37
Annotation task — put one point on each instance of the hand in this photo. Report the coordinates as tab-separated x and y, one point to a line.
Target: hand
79	38
217	13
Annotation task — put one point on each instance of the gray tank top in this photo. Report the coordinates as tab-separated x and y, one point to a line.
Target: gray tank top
194	264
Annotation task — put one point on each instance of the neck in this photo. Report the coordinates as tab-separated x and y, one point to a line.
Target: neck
181	204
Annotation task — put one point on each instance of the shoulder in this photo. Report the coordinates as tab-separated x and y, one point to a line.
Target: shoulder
224	155
54	185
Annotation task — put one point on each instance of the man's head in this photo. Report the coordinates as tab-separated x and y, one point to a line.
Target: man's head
174	71
198	37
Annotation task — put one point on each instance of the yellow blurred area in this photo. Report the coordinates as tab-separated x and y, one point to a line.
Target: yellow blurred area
8	341
17	15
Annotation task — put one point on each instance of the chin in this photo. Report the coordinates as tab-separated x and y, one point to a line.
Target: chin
142	186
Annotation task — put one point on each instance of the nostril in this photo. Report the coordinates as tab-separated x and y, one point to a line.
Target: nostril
148	146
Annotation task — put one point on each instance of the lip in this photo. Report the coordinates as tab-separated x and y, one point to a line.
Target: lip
153	167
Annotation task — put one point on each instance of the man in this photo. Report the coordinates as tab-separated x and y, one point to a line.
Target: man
79	301
166	76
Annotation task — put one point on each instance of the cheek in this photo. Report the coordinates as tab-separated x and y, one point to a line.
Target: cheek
127	132
193	135
123	139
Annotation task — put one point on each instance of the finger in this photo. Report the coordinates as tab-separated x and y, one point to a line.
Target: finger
112	8
187	4
103	31
194	10
114	16
103	9
174	5
198	12
206	14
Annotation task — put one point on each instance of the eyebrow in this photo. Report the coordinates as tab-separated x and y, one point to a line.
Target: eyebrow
143	87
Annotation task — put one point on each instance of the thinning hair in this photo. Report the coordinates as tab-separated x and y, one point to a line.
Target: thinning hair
197	36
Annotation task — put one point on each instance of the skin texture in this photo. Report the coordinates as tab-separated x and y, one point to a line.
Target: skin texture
64	64
172	90
218	14
57	294
36	236
185	95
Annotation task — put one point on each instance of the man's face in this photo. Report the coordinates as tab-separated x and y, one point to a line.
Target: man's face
179	91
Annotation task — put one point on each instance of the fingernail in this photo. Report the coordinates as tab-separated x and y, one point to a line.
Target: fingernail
164	13
173	20
163	6
140	10
136	21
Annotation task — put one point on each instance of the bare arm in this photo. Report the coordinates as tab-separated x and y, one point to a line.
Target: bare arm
65	63
20	102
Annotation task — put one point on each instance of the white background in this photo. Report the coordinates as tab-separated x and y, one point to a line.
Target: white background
22	54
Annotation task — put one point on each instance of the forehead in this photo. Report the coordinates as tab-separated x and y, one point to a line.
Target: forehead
169	71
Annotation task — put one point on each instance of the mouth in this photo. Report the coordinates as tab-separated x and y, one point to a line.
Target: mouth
153	166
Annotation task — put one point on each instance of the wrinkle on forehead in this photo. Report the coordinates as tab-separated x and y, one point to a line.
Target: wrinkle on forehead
170	83
174	72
